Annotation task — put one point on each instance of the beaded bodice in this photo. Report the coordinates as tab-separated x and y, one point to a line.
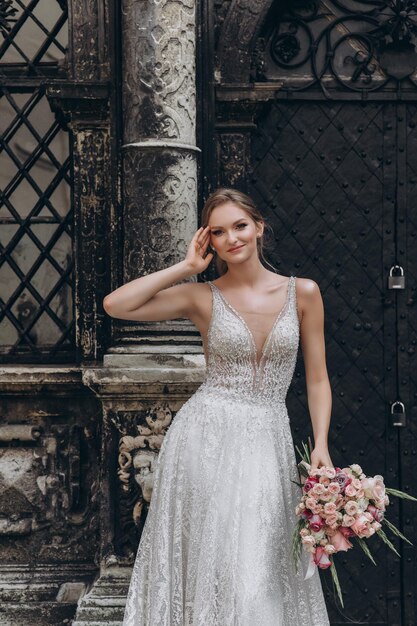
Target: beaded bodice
233	366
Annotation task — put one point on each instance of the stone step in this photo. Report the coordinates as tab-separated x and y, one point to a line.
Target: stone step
37	614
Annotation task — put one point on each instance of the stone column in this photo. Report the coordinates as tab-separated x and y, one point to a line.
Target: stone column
159	158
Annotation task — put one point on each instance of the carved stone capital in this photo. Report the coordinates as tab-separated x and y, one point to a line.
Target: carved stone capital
77	105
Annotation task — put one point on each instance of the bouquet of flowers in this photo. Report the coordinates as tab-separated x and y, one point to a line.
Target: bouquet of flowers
338	506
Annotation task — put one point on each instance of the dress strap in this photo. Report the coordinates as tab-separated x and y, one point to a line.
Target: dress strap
293	296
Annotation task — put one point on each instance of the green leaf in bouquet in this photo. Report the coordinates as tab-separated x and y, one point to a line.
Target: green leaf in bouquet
399	494
385	539
297	483
395	530
296	542
336	582
300	453
365	548
307	450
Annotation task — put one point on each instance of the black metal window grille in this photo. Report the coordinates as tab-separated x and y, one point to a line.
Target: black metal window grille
36	217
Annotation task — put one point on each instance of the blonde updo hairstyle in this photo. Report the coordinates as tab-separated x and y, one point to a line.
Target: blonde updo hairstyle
244	202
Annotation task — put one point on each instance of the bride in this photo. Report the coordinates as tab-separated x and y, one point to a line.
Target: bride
215	547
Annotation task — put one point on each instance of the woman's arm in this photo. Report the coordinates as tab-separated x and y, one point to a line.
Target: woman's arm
314	353
152	298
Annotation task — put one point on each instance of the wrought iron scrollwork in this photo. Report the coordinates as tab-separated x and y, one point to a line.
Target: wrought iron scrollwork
7	13
359	45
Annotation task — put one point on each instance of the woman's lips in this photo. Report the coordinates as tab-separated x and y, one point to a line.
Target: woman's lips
236	249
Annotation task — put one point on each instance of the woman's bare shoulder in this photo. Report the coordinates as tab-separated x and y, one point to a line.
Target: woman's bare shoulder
307	287
308	295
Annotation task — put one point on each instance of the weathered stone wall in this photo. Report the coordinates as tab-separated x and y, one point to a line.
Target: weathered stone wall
49	493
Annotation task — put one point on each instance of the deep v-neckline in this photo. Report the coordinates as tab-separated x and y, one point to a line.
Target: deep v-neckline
257	361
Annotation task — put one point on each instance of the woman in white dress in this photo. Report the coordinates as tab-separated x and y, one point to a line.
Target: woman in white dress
216	545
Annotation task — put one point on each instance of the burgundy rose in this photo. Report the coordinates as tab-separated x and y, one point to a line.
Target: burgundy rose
316	523
309	483
346	531
343	480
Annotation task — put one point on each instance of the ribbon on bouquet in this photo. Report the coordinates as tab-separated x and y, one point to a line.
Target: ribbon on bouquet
311	568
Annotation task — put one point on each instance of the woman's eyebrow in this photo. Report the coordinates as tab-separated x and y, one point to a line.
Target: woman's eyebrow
242	218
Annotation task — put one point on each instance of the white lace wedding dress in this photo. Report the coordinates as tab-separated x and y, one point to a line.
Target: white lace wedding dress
215	548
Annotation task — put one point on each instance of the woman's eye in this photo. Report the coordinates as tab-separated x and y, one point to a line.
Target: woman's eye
219	232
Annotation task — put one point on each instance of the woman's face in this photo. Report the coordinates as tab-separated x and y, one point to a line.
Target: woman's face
233	233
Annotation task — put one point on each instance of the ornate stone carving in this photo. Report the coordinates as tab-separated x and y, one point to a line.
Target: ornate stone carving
84	110
233	159
137	455
159	221
159	70
237	38
139	434
45	464
84	28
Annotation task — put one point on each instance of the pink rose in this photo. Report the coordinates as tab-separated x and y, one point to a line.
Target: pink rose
330	472
329	507
360	525
308	540
310	502
326	496
351	507
324	480
379	488
321	559
334	488
317	509
350	491
331	519
318	489
348	520
299	508
380	504
368	486
316	523
340	542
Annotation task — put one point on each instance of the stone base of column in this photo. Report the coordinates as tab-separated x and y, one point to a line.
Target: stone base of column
41	596
104	604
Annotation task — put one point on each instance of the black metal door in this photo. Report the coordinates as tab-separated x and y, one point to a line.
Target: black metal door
337	181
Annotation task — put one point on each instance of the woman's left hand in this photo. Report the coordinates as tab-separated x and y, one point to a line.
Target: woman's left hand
320	456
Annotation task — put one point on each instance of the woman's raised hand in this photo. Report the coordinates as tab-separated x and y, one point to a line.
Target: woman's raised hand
197	257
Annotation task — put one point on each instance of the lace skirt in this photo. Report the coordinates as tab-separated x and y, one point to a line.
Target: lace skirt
216	546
